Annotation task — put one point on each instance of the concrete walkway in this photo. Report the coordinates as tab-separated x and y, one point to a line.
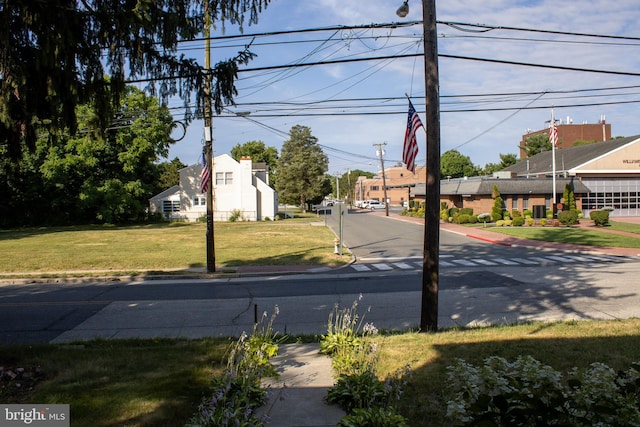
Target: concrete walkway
296	398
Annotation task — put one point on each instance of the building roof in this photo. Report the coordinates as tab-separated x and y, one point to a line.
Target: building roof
480	185
567	159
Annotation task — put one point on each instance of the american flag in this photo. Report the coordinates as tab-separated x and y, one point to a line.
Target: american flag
410	149
553	134
205	175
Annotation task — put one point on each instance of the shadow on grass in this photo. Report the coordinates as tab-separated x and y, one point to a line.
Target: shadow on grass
424	403
121	382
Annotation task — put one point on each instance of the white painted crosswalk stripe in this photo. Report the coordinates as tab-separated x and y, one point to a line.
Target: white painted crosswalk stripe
465	262
381	266
525	261
484	262
403	265
505	261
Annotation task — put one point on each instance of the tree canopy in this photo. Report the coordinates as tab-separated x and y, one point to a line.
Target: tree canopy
301	168
258	152
456	165
56	55
84	178
536	144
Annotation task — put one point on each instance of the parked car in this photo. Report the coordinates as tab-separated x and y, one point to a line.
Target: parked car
374	204
365	203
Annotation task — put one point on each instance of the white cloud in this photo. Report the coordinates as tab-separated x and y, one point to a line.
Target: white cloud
480	135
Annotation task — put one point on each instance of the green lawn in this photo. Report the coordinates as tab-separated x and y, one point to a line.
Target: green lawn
165	247
161	382
591	236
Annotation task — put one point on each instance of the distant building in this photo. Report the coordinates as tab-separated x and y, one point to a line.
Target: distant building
240	187
569	133
399	182
606	174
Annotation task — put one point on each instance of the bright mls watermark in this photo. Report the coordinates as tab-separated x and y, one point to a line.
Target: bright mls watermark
35	415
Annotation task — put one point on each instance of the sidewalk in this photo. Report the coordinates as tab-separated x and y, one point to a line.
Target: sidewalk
296	398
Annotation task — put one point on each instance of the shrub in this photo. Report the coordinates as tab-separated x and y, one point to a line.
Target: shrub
516	214
506	215
526	392
236	215
549	214
378	417
530	221
466	211
500	223
518	221
543	222
463	219
444	214
600	218
508	222
568	218
454	211
528	212
473	219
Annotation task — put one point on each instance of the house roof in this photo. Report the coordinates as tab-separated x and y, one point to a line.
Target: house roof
166	193
480	185
568	159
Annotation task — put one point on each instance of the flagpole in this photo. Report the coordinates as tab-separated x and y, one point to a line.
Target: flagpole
553	161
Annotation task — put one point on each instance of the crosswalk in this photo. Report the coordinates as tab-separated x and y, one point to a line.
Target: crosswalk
451	261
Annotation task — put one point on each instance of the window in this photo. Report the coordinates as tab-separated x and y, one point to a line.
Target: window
169	206
374	188
525	202
199	201
224	178
514	203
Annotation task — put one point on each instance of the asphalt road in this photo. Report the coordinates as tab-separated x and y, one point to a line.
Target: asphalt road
34	313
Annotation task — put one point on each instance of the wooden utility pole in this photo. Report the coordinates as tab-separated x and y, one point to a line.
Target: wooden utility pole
208	137
430	257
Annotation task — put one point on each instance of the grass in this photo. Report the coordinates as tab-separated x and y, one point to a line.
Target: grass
161	382
559	345
165	247
116	383
578	236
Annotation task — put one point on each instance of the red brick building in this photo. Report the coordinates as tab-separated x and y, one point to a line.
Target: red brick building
568	134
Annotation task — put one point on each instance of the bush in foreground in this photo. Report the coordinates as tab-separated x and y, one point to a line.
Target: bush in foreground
526	392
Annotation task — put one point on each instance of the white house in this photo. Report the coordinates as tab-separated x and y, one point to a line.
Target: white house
238	189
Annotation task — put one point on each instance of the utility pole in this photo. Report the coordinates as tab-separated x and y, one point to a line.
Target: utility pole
208	137
384	179
431	254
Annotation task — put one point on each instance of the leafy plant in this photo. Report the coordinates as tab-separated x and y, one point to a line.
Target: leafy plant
527	392
373	417
235	395
568	218
361	390
600	218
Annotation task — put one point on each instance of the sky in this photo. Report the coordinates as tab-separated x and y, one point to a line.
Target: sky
485	107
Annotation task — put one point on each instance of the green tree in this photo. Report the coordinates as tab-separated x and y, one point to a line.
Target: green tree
496	210
301	168
168	174
455	165
506	160
536	144
348	182
108	178
569	198
258	153
57	55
